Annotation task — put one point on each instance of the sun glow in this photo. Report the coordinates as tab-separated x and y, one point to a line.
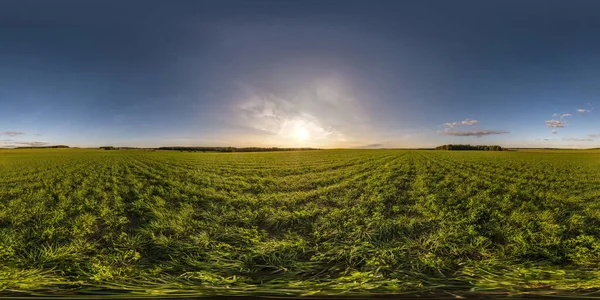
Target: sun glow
301	134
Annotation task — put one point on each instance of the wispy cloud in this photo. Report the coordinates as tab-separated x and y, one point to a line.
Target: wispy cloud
477	133
583	110
556	123
594	135
12	133
554	132
573	139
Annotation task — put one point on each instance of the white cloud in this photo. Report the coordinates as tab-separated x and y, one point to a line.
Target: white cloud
452	125
565	115
583	110
469	122
554	131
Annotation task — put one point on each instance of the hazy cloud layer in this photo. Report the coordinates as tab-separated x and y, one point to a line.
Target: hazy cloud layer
13	144
572	139
12	133
594	135
477	133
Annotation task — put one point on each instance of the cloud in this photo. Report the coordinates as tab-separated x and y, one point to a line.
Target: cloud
467	122
554	131
12	144
556	123
578	139
452	125
477	133
12	133
324	114
565	115
583	110
594	135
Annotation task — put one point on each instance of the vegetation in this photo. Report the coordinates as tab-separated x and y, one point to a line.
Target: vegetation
166	223
469	147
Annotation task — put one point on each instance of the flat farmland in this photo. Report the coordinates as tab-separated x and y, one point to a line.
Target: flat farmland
322	222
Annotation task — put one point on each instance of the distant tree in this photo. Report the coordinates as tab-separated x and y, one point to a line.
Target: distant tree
470	147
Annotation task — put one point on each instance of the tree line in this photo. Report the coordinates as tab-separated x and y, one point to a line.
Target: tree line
42	147
470	147
232	149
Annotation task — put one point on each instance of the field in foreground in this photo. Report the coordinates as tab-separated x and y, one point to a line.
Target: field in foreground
298	223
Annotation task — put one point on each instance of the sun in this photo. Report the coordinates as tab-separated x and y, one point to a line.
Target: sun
301	134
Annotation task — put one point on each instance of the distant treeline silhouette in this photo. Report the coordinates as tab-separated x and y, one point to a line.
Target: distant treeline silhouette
42	147
231	149
470	147
120	148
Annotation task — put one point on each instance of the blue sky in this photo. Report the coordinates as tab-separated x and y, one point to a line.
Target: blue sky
300	73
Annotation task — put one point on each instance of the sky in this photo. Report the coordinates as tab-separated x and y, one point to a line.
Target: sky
327	74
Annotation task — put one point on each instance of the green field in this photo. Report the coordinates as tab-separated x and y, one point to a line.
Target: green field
298	223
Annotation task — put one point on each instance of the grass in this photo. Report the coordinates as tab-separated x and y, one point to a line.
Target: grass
332	222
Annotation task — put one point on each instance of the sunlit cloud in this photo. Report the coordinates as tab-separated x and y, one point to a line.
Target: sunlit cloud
556	123
469	122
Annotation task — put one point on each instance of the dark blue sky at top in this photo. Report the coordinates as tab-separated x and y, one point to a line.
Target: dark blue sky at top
295	73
